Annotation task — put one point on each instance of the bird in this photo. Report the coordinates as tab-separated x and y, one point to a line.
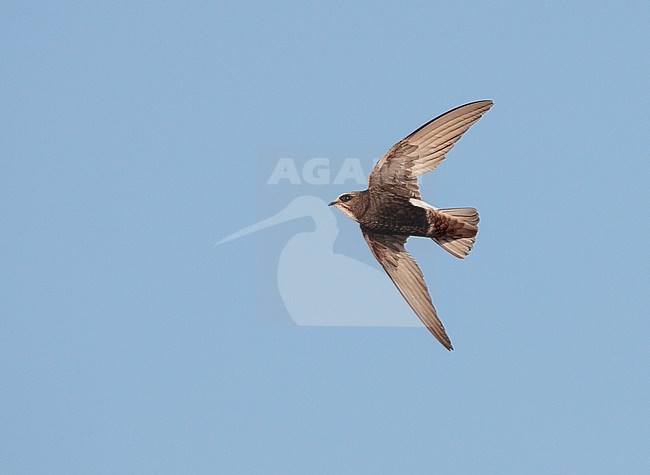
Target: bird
391	209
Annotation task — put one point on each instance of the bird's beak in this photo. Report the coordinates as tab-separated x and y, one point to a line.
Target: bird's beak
332	203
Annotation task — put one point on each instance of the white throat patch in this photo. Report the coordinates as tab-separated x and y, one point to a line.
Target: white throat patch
346	211
422	204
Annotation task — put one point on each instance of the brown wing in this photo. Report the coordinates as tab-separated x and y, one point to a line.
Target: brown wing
423	150
407	277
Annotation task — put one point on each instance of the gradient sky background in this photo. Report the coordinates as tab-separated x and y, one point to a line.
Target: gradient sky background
129	140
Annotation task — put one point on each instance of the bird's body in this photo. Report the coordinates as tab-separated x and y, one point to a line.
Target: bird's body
391	209
387	213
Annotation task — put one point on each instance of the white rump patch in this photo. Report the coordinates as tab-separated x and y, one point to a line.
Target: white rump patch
422	204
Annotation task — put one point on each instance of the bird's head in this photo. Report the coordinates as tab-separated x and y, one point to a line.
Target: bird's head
351	203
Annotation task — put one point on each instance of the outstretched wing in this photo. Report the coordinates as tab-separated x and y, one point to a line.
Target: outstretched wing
423	150
407	277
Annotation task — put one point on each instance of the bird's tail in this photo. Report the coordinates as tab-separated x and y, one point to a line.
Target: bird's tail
456	230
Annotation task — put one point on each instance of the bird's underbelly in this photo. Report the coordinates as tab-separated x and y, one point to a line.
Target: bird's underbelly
392	214
396	226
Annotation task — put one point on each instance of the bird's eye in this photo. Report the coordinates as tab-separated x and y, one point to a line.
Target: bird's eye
345	198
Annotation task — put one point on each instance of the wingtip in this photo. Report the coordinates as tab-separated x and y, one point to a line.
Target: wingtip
446	342
483	103
486	103
480	101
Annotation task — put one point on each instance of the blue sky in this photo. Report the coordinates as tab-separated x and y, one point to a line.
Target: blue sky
132	138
